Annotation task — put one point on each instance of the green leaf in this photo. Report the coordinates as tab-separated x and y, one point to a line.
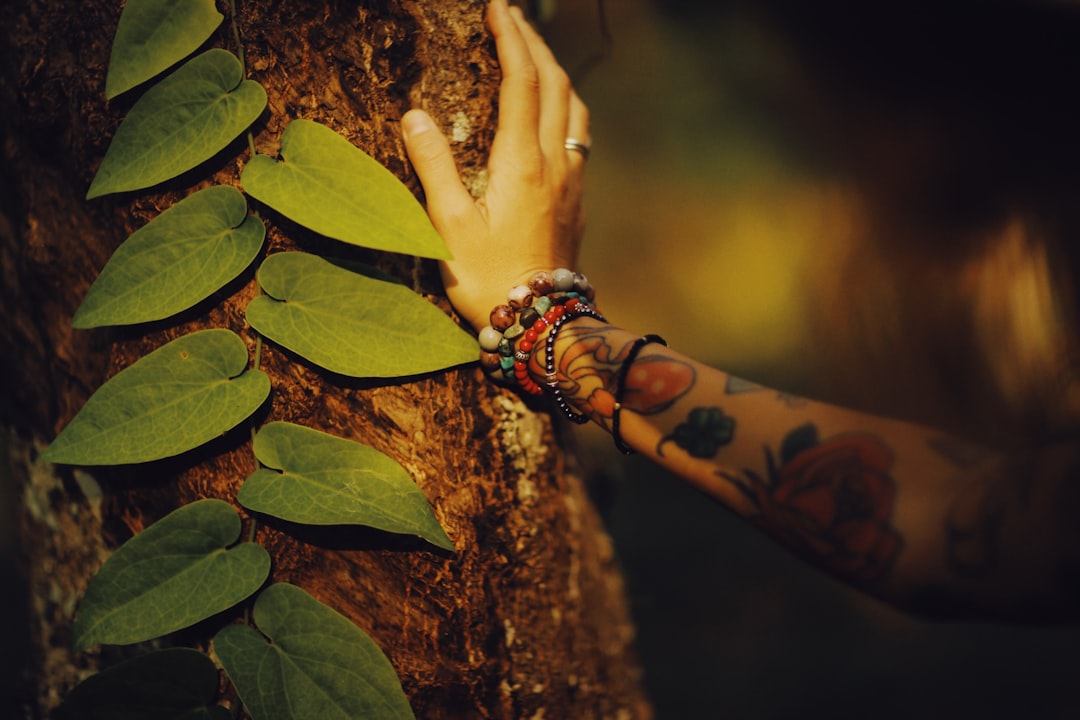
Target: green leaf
327	184
352	324
178	397
172	684
327	480
173	574
176	260
152	35
316	664
180	122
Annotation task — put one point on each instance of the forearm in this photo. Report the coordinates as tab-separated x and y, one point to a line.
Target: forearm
890	507
899	510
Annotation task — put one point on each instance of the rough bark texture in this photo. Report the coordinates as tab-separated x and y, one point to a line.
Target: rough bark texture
527	618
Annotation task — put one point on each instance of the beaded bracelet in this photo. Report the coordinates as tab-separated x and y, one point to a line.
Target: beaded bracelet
620	388
551	379
506	344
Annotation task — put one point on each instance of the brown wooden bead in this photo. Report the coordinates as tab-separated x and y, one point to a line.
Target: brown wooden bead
502	317
541	283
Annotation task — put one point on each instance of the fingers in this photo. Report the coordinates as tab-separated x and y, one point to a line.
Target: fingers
448	201
537	103
554	90
578	129
519	93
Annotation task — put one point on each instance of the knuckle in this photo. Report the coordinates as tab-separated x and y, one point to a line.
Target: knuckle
529	78
560	81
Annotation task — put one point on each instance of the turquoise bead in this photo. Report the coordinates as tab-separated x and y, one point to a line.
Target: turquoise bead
542	304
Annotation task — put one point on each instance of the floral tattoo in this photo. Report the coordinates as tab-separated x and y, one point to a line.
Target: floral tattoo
588	366
830	501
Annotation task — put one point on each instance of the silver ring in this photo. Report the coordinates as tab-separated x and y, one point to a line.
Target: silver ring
577	146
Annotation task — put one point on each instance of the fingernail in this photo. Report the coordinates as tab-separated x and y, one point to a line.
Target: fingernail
416	122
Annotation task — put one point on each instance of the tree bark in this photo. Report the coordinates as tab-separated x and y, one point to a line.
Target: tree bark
527	618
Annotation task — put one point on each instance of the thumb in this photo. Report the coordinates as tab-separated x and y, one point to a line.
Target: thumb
429	152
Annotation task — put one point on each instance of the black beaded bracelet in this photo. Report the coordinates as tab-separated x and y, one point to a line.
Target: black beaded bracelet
551	380
620	388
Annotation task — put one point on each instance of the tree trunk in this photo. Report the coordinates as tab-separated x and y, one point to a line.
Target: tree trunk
526	619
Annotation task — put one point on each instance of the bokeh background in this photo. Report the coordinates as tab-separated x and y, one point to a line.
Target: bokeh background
715	220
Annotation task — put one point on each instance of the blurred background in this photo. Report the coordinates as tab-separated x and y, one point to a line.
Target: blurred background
727	138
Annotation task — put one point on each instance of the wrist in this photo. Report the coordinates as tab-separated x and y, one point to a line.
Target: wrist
519	327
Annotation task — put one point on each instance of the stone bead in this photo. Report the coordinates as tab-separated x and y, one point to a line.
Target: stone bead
581	283
489	339
506	363
519	297
515	330
506	347
502	317
491	361
563	279
528	317
542	304
541	283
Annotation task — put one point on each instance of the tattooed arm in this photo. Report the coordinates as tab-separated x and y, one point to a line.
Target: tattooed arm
896	509
921	520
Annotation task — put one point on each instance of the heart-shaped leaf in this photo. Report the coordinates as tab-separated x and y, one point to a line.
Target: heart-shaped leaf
171	684
180	122
327	480
327	184
316	664
178	397
173	574
352	324
152	35
179	258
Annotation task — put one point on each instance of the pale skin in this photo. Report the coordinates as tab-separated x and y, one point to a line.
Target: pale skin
923	520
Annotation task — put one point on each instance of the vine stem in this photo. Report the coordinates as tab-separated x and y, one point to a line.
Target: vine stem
243	61
254	525
236	36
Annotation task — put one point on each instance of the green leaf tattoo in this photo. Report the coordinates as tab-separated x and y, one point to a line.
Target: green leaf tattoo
705	431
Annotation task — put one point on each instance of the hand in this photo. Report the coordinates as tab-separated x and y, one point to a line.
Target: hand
530	216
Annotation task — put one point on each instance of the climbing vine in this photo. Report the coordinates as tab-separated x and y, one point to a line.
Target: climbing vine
290	656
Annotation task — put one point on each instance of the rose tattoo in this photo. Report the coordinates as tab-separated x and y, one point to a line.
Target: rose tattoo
832	501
